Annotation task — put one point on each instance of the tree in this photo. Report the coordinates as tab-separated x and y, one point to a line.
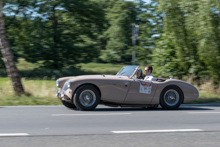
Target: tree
65	35
120	15
192	27
118	35
54	33
150	28
8	58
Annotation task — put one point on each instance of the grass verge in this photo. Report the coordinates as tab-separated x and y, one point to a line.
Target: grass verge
40	83
207	98
42	92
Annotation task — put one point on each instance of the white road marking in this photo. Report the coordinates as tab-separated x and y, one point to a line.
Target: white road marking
203	112
158	131
13	134
91	114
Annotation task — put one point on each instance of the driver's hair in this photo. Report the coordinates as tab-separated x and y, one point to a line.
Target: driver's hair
149	68
139	73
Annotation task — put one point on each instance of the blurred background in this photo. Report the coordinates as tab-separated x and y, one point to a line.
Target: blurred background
55	38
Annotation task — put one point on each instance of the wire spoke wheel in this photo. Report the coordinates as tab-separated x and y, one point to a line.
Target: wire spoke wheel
87	98
171	97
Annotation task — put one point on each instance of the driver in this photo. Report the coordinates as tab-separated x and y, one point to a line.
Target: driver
148	72
139	74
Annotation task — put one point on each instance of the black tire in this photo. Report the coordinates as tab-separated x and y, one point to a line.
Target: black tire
86	98
171	98
68	105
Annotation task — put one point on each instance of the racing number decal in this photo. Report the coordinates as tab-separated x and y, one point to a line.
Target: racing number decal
145	87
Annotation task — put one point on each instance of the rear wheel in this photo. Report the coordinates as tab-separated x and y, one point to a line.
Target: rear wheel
171	98
86	97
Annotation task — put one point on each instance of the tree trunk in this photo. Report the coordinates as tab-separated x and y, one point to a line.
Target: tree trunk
8	57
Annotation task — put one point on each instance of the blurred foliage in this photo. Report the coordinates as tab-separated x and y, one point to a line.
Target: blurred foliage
190	41
150	27
29	70
120	15
179	38
60	33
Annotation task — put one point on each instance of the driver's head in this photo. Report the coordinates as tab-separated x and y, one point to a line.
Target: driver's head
139	73
148	70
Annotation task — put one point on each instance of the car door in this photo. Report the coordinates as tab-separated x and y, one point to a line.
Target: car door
141	92
115	91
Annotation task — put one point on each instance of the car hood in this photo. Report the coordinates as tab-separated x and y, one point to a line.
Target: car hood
99	77
90	77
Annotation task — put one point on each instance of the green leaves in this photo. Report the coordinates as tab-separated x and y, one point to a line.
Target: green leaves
177	37
192	27
119	16
62	33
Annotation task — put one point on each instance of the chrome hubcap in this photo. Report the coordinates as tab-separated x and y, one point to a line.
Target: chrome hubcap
171	97
87	98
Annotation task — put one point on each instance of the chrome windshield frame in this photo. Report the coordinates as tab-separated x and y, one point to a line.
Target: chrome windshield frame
137	67
134	72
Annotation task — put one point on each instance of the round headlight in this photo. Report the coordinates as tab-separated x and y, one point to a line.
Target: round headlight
57	82
68	83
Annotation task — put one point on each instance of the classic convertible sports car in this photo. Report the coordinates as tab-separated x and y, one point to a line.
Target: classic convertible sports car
123	89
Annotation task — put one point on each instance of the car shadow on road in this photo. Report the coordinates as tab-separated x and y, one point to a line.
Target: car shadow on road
204	105
150	109
194	108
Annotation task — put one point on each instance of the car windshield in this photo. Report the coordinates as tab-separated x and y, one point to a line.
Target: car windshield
127	71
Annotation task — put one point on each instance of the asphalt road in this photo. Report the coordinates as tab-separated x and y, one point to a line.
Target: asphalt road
57	126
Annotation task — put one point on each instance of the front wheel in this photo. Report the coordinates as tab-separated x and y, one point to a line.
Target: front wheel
68	105
171	98
86	97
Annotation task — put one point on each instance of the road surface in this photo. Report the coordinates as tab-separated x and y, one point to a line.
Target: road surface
58	126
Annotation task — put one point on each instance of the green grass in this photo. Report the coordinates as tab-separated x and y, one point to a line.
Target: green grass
207	98
40	83
22	64
101	68
41	92
33	71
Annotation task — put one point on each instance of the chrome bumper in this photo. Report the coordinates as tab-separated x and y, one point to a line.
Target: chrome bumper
58	95
61	96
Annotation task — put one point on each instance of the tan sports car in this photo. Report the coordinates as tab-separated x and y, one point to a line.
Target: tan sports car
123	89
